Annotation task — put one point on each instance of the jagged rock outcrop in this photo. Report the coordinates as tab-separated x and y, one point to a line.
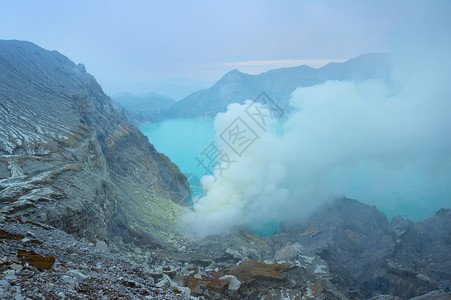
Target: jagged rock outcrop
279	84
372	256
70	158
345	250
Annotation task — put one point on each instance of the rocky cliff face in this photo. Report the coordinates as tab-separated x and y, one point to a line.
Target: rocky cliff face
371	256
70	158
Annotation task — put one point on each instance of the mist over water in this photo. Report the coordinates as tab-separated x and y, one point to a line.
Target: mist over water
370	141
356	140
384	142
376	141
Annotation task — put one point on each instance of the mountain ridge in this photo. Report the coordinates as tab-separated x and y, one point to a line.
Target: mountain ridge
236	86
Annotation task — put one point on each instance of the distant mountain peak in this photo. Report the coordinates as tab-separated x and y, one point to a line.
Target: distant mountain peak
232	76
234	72
279	84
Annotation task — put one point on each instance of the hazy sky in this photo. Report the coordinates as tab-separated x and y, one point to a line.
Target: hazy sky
125	44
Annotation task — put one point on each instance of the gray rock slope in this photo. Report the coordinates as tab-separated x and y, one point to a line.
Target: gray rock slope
277	84
70	158
61	267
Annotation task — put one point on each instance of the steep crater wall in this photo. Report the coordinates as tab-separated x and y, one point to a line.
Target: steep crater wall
70	158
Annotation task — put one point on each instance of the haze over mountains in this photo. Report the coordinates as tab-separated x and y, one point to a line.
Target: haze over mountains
71	161
344	195
236	87
144	108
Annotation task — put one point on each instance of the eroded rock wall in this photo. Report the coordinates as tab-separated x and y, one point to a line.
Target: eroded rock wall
70	158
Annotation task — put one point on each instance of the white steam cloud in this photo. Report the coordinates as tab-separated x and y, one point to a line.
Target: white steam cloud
384	142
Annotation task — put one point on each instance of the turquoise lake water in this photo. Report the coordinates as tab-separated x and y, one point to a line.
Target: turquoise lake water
182	140
417	196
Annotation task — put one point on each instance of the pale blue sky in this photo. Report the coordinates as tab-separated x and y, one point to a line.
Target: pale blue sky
126	44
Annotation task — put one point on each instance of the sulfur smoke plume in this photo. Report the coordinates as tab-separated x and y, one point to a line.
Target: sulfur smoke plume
385	142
